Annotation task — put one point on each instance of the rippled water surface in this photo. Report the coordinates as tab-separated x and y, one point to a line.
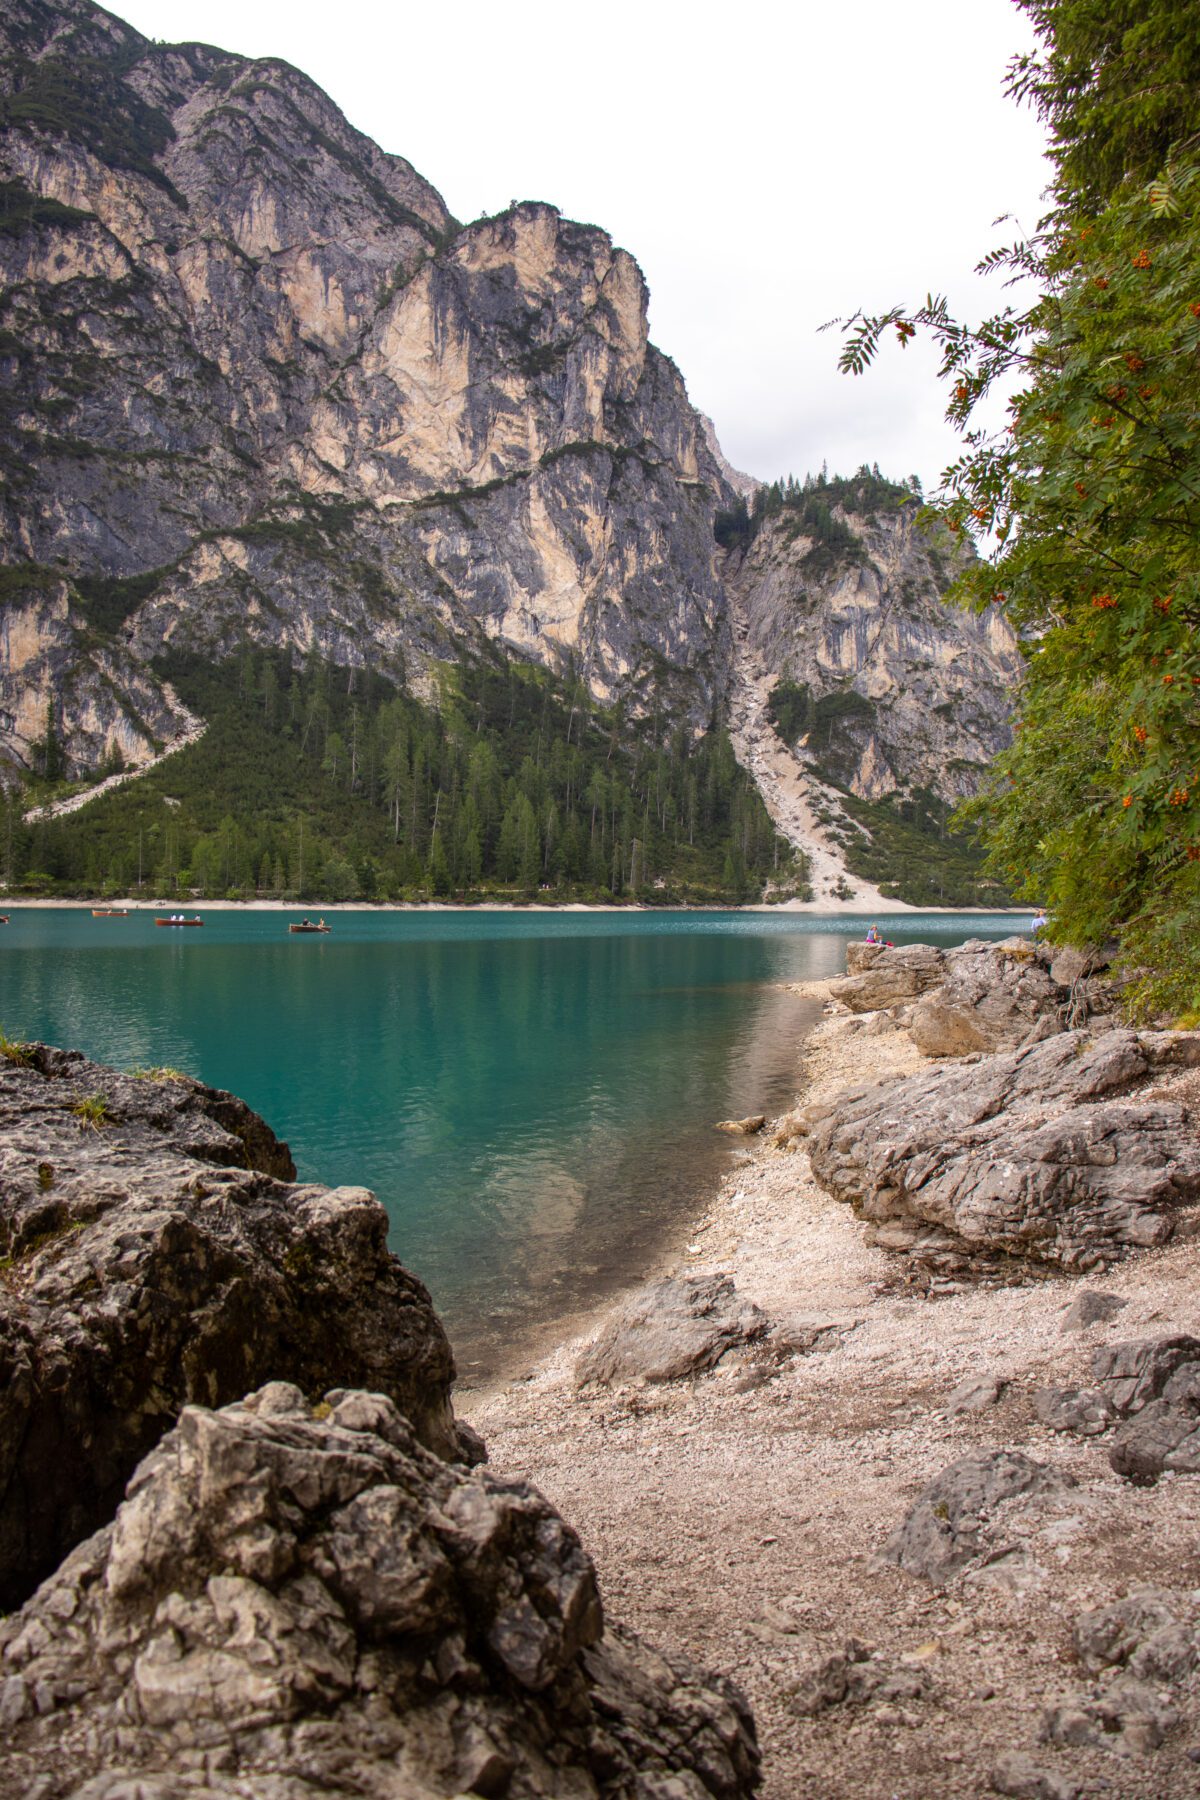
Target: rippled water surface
531	1094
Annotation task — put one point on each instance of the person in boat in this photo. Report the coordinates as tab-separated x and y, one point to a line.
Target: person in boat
321	924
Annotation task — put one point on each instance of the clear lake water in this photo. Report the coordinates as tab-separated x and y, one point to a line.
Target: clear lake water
531	1094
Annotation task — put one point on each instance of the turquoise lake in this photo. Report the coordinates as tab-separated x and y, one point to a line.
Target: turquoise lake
531	1095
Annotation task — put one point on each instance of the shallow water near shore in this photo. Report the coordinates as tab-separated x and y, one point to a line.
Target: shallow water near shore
532	1096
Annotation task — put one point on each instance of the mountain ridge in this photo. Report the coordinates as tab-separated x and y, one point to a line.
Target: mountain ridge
264	390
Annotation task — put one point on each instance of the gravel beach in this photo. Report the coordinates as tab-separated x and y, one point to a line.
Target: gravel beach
739	1514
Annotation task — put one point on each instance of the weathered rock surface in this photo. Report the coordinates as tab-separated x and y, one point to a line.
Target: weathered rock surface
298	1601
1145	1649
949	1525
853	1676
157	1252
675	1327
1045	1152
1133	1373
974	1395
998	996
1152	1385
1107	1636
1076	1410
889	977
743	1127
1156	1388
1092	1307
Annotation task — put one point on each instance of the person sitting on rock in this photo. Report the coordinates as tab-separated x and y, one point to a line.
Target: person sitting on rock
873	936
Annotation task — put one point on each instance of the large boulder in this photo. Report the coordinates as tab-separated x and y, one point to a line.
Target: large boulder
889	977
157	1252
1150	1385
1046	1152
950	1523
675	1327
1154	1385
997	996
1142	1652
300	1601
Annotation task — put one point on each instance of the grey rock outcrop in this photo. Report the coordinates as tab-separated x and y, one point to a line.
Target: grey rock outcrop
855	1676
1151	1385
888	977
1145	1649
1044	1153
676	1327
1082	1413
1092	1307
974	1395
299	1600
948	1526
1156	1388
998	996
1133	1373
157	1251
1116	1634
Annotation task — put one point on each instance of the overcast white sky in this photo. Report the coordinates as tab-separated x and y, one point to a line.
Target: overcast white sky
770	165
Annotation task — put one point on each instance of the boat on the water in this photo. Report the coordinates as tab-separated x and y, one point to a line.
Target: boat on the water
309	925
179	921
110	912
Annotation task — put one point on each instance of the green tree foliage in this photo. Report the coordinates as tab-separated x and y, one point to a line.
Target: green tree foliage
327	784
1093	493
1118	84
812	509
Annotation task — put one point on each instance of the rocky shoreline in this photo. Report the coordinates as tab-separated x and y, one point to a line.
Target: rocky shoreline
312	1585
903	1445
899	1510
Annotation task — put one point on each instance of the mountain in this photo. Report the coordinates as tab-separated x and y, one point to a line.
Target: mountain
865	705
262	393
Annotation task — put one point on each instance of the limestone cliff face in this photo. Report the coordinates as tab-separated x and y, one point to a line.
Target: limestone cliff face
53	668
908	692
257	381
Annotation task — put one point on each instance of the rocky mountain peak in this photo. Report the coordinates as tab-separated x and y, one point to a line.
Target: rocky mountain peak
263	390
241	337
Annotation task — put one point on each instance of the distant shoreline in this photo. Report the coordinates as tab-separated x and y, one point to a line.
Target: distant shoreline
850	909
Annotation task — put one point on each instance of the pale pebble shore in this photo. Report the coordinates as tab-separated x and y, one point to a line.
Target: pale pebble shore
736	1516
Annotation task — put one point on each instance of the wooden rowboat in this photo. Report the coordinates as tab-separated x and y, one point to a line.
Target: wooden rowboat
179	921
305	926
110	912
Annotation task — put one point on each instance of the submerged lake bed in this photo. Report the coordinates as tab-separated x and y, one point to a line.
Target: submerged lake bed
531	1095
